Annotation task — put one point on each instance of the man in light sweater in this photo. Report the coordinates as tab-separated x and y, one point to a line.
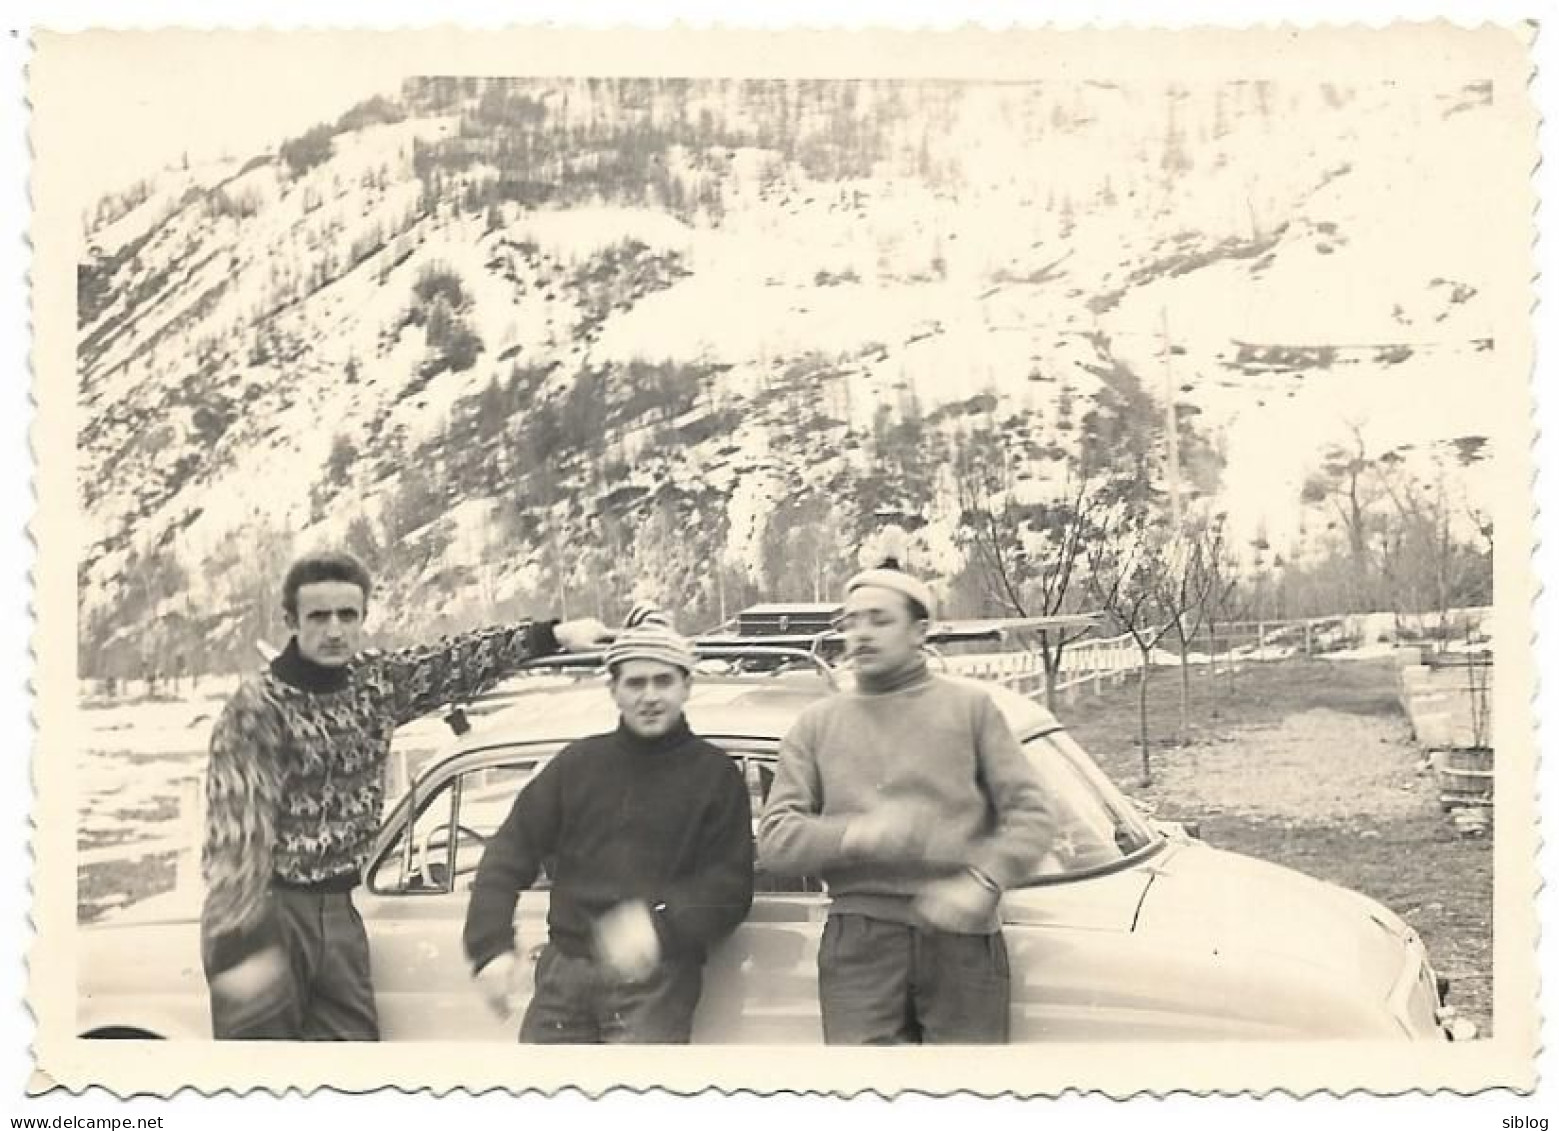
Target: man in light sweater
911	797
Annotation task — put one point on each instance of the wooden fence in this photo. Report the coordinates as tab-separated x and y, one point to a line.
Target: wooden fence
1084	664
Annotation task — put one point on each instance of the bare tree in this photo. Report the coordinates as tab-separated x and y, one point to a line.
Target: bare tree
1027	558
557	562
1181	586
1124	573
1219	578
1348	487
1433	565
805	549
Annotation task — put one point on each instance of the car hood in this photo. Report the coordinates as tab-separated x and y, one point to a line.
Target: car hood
1222	903
1107	902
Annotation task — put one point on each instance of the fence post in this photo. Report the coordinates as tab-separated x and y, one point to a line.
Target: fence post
1307	637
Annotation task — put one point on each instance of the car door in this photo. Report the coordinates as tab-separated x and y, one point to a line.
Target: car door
415	906
760	985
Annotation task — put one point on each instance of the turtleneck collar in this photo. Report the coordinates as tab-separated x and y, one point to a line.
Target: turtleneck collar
295	670
676	736
912	672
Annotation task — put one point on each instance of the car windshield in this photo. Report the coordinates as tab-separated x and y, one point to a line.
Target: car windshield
1096	827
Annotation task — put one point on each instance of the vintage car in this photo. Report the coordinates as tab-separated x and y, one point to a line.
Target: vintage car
1129	930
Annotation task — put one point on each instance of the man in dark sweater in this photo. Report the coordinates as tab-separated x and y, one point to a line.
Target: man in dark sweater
911	797
647	831
294	793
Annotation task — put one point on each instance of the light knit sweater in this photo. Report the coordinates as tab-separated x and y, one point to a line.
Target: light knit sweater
933	742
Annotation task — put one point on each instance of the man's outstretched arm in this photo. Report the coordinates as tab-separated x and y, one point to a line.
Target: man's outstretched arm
461	667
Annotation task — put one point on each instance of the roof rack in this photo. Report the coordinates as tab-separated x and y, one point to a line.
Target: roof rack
774	655
943	632
1000	628
780	655
787	655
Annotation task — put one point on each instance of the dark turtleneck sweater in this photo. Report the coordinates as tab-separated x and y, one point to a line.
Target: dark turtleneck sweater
618	817
295	785
295	670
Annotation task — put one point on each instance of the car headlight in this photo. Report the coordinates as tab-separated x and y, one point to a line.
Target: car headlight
1415	998
1418	1000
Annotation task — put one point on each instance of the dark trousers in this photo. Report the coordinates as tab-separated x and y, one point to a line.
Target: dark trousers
327	994
577	1002
886	983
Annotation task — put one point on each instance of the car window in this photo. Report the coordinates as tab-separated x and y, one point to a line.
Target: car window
1096	827
409	865
454	824
758	770
451	830
486	796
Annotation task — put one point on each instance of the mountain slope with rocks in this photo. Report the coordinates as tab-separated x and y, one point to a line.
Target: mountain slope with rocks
550	344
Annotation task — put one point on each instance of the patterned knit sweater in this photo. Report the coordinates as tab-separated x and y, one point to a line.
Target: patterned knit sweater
295	787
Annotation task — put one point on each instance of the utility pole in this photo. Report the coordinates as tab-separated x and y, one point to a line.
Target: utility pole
1171	423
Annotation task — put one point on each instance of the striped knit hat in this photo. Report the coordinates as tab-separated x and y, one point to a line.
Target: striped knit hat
648	634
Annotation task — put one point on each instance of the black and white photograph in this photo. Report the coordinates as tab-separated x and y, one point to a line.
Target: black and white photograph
713	538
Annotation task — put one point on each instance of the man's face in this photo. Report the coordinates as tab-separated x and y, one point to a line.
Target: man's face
879	633
329	622
650	695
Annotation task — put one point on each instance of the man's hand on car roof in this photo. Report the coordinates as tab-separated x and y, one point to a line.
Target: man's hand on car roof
581	635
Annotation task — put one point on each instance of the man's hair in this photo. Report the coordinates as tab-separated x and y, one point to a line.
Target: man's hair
323	565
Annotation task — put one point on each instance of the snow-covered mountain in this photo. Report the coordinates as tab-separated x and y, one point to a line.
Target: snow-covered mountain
545	344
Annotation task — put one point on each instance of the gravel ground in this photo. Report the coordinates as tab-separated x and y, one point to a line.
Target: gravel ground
1317	766
1310	764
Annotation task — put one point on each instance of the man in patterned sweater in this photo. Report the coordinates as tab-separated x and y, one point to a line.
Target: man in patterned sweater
294	795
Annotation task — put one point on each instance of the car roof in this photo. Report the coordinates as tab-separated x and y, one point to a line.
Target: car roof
756	706
791	608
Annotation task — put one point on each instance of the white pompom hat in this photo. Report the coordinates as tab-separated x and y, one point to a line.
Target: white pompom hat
890	577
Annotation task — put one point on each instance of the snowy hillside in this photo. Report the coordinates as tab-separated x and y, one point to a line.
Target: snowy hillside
549	344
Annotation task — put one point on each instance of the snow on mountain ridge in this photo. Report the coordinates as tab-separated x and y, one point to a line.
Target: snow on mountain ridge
278	326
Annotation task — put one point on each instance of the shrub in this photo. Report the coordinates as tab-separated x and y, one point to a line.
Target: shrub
241	205
362	540
461	348
307	150
437	280
343	453
417	501
374	111
452	344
